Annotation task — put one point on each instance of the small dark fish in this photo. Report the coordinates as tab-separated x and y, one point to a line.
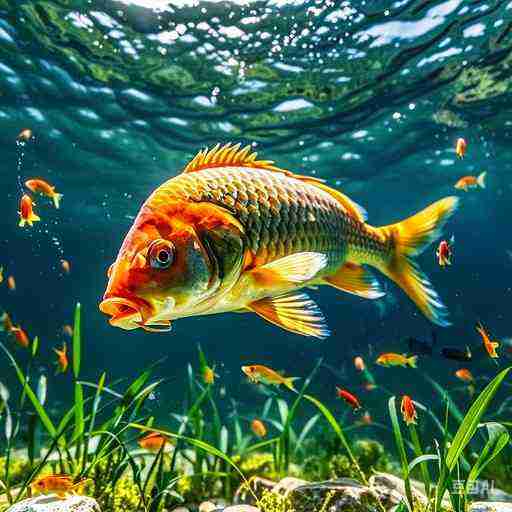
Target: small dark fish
456	354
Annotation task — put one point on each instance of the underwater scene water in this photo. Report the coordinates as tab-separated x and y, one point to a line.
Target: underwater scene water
397	105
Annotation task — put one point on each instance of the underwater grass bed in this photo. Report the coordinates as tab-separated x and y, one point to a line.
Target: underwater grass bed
109	446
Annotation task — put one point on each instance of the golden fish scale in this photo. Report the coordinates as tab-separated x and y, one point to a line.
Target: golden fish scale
281	215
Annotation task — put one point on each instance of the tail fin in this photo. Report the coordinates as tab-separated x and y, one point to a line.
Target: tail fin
481	179
288	382
410	238
56	199
412	361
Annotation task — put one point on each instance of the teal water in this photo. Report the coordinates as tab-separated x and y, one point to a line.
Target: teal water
370	96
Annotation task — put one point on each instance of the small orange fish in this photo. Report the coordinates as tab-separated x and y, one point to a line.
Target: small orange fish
11	283
153	441
392	359
66	267
25	135
351	399
1	275
21	336
408	410
62	358
7	323
359	363
444	252
26	213
464	375
42	187
490	346
370	386
259	373
258	427
467	182
61	485
67	330
460	147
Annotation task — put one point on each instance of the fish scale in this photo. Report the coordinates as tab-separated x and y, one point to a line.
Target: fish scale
281	215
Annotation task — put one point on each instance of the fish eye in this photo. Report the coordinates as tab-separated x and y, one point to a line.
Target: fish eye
161	254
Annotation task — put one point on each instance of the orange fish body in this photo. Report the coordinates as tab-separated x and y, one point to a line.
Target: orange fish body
26	213
359	363
66	267
153	442
20	336
392	359
408	410
61	485
62	358
42	187
444	253
259	373
490	346
349	398
233	233
11	283
467	182
464	375
460	147
258	427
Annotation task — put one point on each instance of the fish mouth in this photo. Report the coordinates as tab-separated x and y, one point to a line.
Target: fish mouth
131	314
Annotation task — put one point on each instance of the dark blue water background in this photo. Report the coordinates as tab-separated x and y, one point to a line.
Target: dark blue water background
370	96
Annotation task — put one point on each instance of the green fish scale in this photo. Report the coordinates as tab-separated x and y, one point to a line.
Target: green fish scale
281	215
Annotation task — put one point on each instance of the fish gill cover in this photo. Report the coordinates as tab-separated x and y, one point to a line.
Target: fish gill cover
106	100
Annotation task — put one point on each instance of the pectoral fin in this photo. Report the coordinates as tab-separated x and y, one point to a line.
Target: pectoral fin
357	280
296	268
295	312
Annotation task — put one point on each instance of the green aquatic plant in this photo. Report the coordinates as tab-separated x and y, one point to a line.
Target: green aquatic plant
450	454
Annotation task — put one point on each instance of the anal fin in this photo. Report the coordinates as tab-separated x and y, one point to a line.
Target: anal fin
356	279
293	311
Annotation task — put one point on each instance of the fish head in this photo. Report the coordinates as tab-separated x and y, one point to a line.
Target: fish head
167	267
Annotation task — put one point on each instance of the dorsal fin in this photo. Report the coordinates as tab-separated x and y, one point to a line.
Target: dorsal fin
229	155
232	155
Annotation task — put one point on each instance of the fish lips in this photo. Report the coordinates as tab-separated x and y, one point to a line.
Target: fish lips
129	314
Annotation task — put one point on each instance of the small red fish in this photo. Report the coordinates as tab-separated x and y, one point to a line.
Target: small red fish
460	147
444	252
62	358
349	398
21	336
408	410
359	363
26	213
490	346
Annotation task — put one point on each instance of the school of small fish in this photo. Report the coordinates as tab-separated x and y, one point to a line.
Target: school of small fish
219	238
